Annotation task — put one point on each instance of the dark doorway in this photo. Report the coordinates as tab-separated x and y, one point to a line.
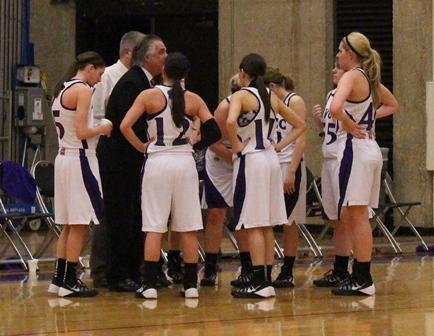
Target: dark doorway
374	19
190	27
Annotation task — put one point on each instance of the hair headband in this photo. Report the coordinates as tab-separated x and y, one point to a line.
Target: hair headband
347	41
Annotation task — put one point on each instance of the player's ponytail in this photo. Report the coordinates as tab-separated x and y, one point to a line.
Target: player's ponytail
176	69
254	65
265	96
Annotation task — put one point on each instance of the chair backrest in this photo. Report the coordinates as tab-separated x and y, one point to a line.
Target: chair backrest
17	183
44	176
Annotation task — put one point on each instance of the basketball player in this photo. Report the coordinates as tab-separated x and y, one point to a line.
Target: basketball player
329	180
218	196
258	193
293	170
170	180
359	156
329	187
77	195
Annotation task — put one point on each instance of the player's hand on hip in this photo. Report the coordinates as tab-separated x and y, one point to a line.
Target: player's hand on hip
239	146
354	129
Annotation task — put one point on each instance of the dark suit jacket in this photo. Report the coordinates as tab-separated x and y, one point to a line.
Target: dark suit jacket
121	99
120	165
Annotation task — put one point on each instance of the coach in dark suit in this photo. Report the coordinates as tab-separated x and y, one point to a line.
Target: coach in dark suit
120	166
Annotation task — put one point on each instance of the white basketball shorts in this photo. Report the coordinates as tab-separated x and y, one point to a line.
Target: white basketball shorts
360	163
218	181
170	186
258	191
77	187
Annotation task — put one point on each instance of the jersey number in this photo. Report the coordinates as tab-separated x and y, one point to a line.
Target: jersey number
259	135
178	141
61	130
368	118
332	129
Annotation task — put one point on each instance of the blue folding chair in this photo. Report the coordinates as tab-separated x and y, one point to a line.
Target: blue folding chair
16	184
43	173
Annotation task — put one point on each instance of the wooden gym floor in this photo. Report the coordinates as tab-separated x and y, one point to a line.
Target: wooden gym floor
403	305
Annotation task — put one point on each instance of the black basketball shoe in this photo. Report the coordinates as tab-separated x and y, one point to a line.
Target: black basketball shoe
79	289
284	280
147	291
243	280
331	279
355	285
254	290
190	292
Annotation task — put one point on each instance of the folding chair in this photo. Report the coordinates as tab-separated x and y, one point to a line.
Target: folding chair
16	184
43	173
314	189
403	208
382	227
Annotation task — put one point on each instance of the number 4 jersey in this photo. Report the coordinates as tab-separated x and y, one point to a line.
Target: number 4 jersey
361	112
166	135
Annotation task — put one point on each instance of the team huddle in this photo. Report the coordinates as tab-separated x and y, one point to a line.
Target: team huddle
254	163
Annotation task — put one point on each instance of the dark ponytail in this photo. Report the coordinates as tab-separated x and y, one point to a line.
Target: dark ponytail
72	70
254	65
265	96
176	69
79	63
178	103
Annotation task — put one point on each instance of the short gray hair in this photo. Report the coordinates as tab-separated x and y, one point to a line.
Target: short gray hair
130	40
143	48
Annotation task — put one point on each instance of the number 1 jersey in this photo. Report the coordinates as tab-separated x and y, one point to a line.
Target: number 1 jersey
253	126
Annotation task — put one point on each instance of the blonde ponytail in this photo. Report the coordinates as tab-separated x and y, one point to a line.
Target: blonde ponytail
372	67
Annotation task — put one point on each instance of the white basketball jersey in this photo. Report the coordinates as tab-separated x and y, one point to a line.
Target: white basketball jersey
362	113
64	119
331	128
283	128
252	125
167	136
